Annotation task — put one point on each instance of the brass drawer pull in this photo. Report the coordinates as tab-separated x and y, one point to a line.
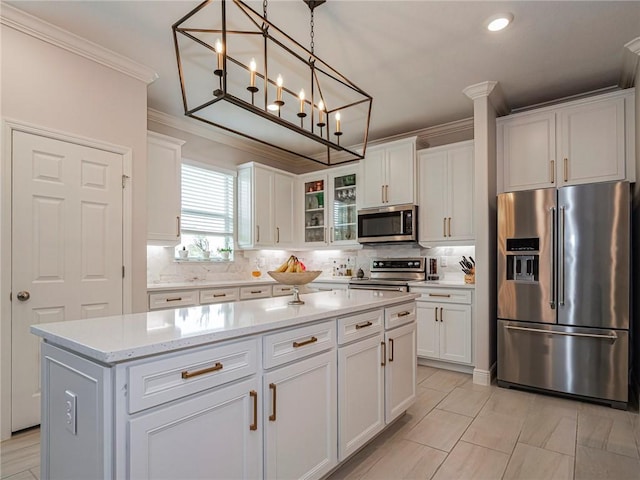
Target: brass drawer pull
174	299
444	226
404	314
215	368
306	342
449	226
253	394
285	289
363	325
445	295
384	354
441	314
256	291
566	170
178	232
391	350
435	313
272	417
217	295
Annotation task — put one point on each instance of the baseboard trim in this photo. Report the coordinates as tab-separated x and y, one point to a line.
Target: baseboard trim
484	377
454	367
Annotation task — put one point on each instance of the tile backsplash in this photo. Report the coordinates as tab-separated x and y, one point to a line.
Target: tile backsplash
163	268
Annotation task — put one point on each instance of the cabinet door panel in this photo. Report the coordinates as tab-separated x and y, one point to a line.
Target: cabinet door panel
263	207
455	333
374	177
400	174
593	142
361	394
400	370
528	149
206	437
301	441
460	182
283	210
428	330
433	196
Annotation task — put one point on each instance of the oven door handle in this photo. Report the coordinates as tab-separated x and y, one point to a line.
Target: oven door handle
388	288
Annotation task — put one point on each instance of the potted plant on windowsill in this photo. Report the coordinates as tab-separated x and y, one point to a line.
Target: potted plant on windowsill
202	244
225	252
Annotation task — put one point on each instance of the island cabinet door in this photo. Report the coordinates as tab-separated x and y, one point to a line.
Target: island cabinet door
214	435
400	370
300	418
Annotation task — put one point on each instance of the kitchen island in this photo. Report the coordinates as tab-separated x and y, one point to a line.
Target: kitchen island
254	389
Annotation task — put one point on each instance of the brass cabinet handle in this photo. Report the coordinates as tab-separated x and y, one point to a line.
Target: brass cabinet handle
256	291
324	234
253	394
215	368
566	170
174	299
257	233
553	171
441	314
449	226
331	237
178	232
386	193
272	417
444	226
391	349
440	295
384	354
283	289
277	234
403	314
216	295
382	193
306	342
435	313
363	325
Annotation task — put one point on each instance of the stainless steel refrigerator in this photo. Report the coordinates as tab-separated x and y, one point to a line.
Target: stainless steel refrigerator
564	290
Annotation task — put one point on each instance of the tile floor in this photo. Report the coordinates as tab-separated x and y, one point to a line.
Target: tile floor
458	430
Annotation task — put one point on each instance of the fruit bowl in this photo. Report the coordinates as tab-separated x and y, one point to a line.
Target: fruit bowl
295	279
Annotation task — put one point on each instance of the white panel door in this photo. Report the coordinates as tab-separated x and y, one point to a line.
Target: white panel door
455	332
400	370
66	249
433	196
284	190
428	330
374	178
401	163
460	185
263	207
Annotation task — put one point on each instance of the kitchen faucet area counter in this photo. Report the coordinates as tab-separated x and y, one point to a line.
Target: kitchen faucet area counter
126	337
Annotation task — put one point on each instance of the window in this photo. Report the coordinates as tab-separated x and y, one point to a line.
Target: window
207	212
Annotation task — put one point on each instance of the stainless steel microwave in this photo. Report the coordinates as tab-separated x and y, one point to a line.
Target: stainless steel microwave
398	223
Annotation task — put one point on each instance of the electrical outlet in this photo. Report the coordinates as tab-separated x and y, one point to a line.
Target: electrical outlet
443	261
71	411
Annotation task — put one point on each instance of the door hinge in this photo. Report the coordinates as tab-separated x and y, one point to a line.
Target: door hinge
124	178
122	271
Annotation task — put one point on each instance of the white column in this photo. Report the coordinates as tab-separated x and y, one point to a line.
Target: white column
487	103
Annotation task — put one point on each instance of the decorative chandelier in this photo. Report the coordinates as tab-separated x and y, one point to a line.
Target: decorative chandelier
288	98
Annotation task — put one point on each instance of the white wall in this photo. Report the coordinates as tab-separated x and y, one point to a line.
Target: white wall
51	88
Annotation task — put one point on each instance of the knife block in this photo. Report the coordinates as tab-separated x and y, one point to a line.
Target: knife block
470	277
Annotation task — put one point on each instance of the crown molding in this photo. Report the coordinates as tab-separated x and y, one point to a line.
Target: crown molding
630	63
33	26
493	91
216	135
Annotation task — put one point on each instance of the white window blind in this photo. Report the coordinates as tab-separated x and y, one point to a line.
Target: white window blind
207	201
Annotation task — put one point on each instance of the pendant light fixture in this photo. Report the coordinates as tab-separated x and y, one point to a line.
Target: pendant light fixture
241	73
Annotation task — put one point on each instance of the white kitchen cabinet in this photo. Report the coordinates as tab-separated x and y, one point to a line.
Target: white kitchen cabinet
400	370
300	404
265	207
257	291
178	298
315	209
164	161
214	435
583	141
444	327
446	189
388	174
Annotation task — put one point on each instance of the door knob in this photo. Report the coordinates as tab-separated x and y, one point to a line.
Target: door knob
23	296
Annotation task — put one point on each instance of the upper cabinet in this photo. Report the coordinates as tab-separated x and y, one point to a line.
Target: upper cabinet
584	141
446	179
265	207
388	174
164	160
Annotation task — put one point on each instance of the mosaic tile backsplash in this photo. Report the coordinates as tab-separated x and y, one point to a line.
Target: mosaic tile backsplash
163	268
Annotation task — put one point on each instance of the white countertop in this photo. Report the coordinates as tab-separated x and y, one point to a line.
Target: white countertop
125	337
442	284
264	280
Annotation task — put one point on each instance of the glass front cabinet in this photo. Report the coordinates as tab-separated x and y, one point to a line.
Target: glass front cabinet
330	210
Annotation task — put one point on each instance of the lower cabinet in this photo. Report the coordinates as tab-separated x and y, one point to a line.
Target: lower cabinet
400	370
212	435
444	331
300	418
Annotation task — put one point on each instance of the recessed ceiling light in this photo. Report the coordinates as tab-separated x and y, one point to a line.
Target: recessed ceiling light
499	22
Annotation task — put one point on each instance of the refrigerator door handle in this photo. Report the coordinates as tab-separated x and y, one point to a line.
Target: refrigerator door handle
552	283
613	335
561	258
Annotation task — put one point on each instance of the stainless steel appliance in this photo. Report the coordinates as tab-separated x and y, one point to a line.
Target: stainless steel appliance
398	223
564	290
392	274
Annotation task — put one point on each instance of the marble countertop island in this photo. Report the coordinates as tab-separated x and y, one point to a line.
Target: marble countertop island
114	339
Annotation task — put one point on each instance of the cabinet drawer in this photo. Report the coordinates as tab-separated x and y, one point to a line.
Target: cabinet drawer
218	295
445	296
281	290
166	379
259	291
359	326
182	298
298	343
399	315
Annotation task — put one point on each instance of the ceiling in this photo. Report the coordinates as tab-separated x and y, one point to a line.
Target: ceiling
413	57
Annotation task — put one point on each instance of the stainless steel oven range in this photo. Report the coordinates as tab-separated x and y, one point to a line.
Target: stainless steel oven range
392	274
